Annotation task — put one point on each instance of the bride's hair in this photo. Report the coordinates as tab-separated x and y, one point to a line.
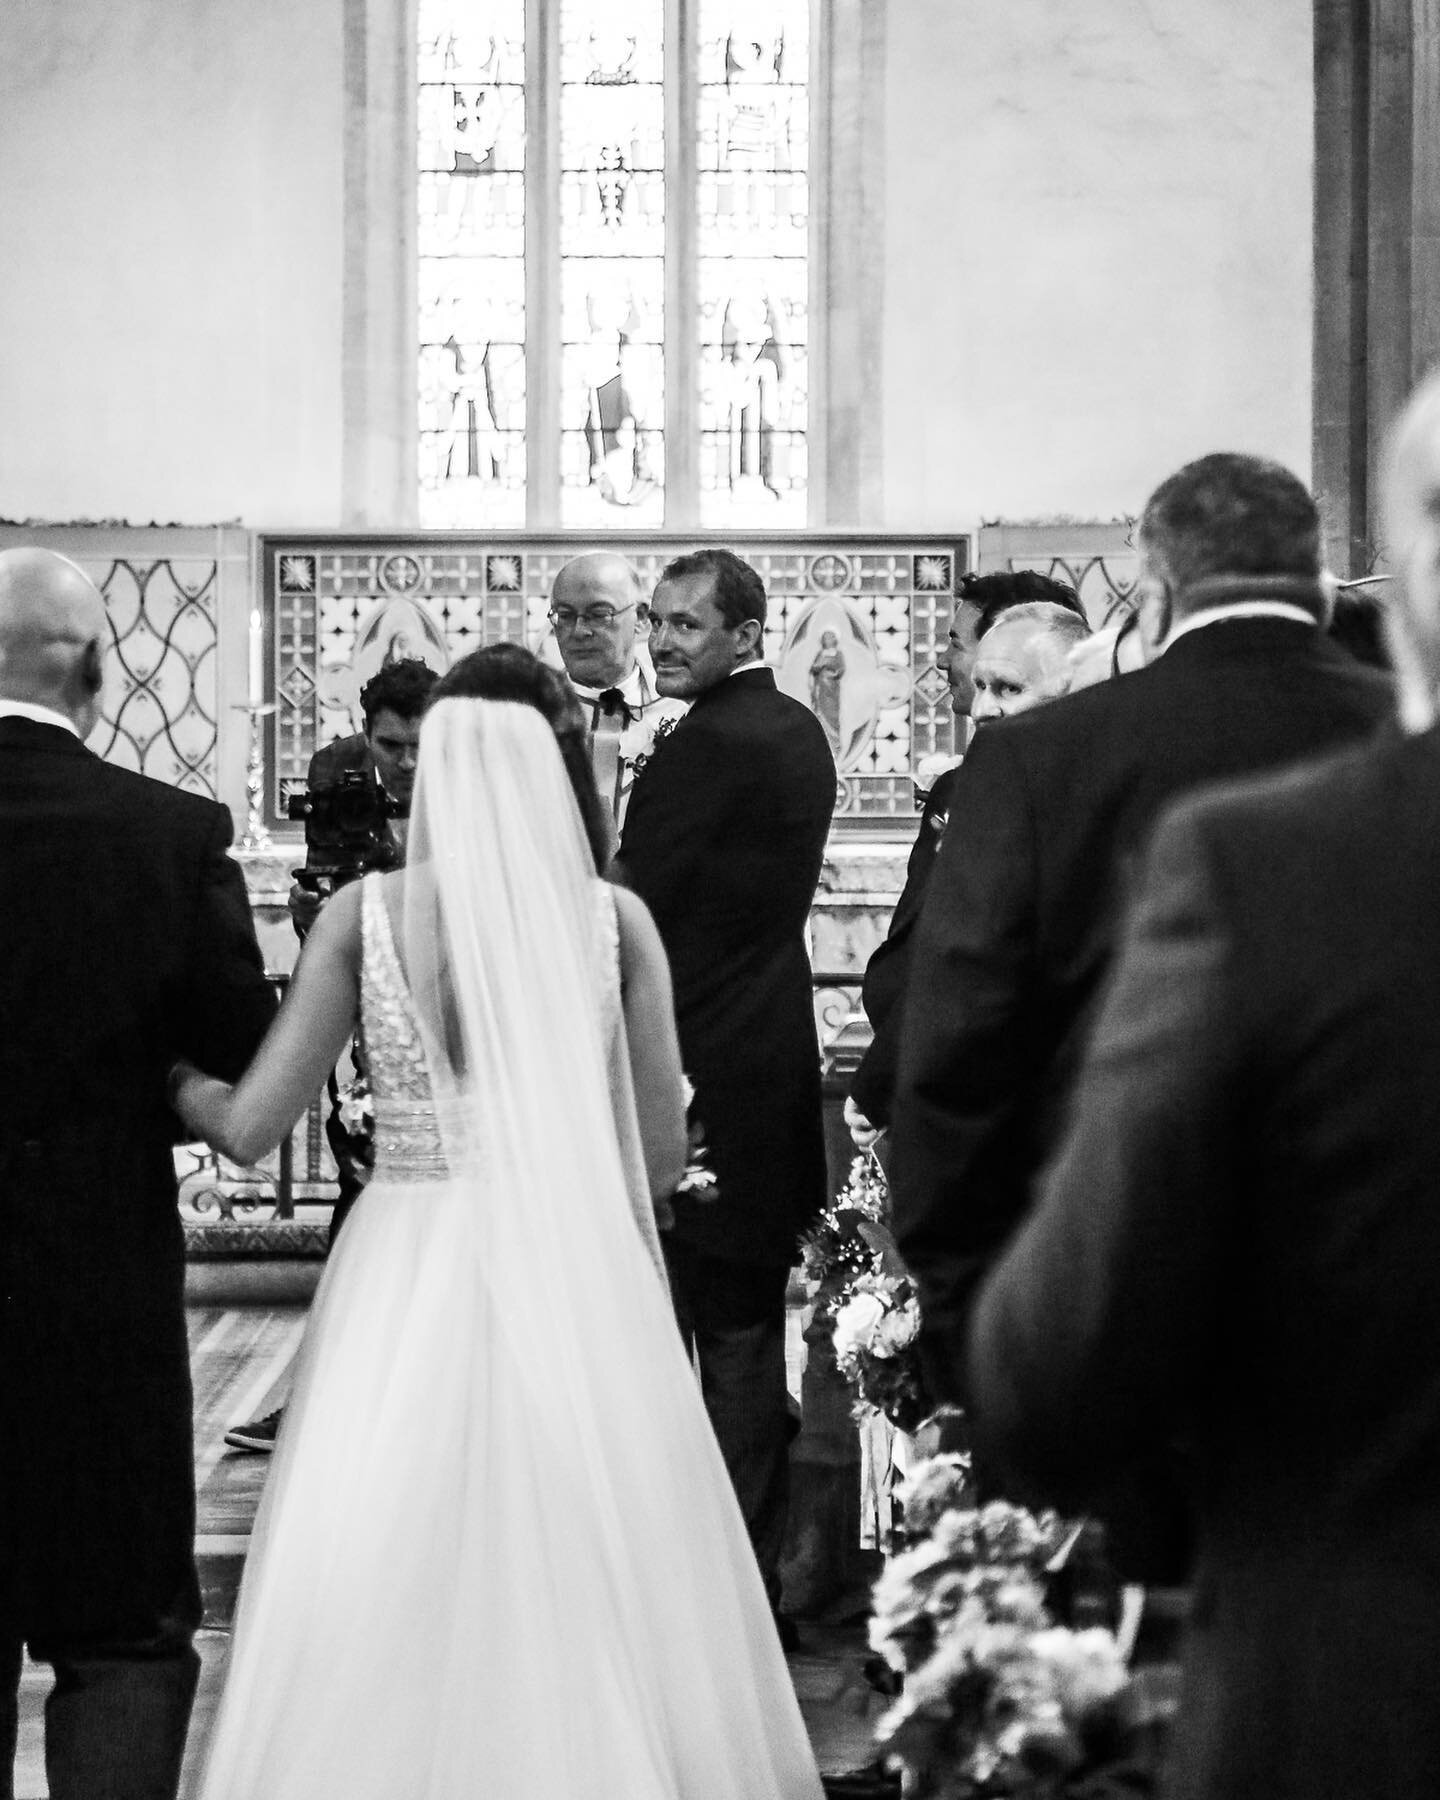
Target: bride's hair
510	672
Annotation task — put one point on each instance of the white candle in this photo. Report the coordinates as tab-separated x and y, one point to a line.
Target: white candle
257	678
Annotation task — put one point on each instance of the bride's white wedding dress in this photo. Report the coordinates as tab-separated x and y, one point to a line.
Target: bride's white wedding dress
498	1554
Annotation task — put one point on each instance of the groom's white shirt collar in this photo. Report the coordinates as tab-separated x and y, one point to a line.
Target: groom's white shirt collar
747	668
41	715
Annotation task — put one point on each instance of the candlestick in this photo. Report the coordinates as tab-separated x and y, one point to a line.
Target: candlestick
257	658
256	836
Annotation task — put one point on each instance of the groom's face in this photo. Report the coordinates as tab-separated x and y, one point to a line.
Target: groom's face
692	647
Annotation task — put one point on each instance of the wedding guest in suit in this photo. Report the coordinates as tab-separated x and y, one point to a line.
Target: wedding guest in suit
600	618
1049	815
983	601
128	941
724	841
1238	1241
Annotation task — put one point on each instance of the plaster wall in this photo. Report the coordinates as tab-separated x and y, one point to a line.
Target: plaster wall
1096	249
171	219
1092	248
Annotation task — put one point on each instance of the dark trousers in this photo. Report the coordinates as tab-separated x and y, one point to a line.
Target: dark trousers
732	1318
115	1721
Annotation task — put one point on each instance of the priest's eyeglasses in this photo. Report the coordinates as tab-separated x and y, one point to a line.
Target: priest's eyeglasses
596	618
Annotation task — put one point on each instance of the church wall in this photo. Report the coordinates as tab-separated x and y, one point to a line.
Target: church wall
1096	249
171	201
1089	229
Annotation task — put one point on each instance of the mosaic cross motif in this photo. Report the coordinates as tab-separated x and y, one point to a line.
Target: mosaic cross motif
856	630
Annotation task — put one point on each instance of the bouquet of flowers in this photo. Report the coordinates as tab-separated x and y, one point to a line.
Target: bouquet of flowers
851	1258
355	1110
875	1331
643	736
998	1698
850	1238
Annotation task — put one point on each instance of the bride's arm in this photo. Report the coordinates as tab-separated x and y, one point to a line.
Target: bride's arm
312	1028
654	1046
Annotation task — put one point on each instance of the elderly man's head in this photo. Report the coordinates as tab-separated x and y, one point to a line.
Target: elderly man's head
1222	529
53	635
979	601
1024	658
1412	530
595	607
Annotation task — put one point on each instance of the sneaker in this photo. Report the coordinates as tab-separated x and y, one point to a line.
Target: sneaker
259	1434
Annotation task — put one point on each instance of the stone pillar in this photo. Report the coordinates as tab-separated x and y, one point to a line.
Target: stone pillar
1377	248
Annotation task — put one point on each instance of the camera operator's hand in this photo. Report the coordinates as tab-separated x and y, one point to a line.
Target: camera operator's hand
304	904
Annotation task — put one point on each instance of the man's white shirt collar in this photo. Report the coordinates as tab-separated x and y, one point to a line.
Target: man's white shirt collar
1243	609
747	669
41	715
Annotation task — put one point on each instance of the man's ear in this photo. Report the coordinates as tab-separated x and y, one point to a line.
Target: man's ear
92	667
747	638
1156	610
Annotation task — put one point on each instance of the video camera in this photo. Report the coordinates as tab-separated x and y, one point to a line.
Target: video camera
346	832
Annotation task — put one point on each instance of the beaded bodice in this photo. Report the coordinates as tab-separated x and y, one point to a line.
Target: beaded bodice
407	1133
408	1144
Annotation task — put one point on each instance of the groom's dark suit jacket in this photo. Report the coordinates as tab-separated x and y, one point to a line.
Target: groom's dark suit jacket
125	941
723	841
1049	813
1240	1242
872	1086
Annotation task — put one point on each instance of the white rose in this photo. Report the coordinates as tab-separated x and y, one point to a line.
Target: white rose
637	739
1086	1666
898	1329
855	1322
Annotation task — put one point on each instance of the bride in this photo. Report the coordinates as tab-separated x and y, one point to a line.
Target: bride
498	1556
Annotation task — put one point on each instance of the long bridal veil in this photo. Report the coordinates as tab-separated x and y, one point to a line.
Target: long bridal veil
607	1596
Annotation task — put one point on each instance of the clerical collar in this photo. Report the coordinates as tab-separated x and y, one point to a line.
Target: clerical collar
634	689
39	715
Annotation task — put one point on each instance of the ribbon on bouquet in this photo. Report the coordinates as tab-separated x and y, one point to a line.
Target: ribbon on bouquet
887	1455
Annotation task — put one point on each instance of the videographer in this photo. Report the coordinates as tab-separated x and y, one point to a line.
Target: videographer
356	805
356	809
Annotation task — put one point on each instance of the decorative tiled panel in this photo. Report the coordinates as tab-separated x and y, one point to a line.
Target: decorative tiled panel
1097	560
160	696
856	630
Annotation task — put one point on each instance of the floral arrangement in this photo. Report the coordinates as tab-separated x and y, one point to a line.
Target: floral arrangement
850	1238
875	1331
355	1109
643	736
698	1181
850	1257
998	1697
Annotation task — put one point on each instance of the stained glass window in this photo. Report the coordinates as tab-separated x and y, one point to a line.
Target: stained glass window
574	170
612	268
753	247
472	262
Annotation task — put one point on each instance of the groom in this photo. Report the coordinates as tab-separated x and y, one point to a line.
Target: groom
127	943
723	841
